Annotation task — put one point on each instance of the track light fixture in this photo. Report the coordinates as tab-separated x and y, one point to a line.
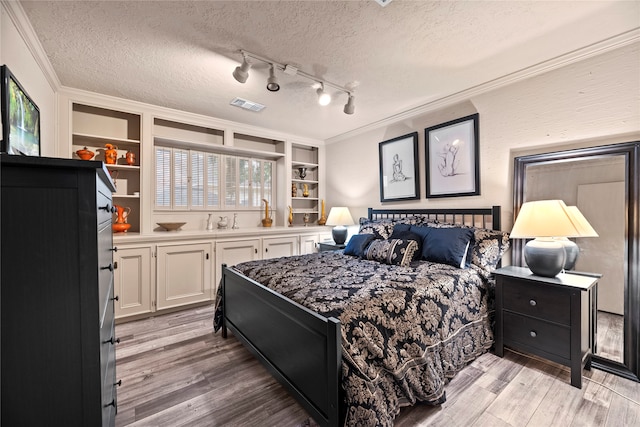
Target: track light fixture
272	81
323	97
241	73
350	106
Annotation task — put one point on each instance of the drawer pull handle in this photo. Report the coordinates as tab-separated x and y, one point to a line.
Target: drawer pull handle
533	303
109	267
108	208
114	249
112	403
533	334
119	383
116	298
112	341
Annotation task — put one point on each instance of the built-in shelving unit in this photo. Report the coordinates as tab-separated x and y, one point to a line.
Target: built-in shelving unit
305	172
95	127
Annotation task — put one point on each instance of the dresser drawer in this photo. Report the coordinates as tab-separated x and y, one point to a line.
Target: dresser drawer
109	399
537	300
105	266
104	207
537	335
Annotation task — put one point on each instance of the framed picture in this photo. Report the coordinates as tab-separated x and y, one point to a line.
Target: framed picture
399	171
20	117
452	158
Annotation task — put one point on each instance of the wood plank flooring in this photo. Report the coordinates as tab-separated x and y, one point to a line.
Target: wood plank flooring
176	372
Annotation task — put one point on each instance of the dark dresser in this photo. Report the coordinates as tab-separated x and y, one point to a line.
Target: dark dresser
552	317
56	293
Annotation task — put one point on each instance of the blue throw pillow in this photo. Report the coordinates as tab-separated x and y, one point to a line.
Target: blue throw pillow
358	244
451	246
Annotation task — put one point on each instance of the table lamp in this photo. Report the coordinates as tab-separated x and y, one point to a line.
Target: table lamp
547	221
339	217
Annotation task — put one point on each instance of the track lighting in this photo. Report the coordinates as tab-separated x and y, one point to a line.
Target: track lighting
323	97
350	107
272	81
241	73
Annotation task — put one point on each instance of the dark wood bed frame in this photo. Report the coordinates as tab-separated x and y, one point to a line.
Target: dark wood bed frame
301	348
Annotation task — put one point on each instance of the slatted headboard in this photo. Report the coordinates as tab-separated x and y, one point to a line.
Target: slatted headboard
474	217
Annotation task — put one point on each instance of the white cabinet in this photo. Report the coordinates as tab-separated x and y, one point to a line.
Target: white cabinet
275	247
234	252
183	274
133	278
309	243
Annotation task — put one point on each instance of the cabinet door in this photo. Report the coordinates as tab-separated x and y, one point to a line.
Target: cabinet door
234	252
132	277
309	243
184	274
275	247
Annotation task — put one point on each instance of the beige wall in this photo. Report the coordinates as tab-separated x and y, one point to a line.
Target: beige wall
15	53
592	102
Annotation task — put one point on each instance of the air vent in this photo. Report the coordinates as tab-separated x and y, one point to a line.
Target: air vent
247	105
383	3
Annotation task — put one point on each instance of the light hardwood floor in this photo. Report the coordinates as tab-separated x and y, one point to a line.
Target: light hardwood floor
176	372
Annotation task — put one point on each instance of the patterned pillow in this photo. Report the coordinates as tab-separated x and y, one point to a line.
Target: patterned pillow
381	228
392	251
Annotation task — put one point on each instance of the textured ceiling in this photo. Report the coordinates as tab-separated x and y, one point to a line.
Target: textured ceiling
180	54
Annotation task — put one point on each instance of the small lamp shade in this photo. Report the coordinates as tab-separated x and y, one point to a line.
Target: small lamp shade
339	217
549	223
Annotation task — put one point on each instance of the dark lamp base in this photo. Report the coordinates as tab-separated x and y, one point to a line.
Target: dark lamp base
339	234
544	257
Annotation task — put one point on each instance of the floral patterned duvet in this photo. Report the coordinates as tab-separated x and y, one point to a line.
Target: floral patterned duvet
405	330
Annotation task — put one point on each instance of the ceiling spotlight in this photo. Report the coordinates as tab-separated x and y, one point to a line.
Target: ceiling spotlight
241	73
272	81
350	106
323	97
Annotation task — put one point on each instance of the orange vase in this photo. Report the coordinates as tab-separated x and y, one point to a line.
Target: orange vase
110	154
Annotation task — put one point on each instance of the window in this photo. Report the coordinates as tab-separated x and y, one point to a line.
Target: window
194	180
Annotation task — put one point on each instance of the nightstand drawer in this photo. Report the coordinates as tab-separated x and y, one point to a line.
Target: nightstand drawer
537	334
537	300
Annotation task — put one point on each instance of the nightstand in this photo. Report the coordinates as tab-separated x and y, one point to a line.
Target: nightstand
551	317
330	246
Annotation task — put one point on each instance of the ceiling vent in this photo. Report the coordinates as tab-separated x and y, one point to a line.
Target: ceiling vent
247	105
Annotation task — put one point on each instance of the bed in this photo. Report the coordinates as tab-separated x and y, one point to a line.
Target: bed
354	335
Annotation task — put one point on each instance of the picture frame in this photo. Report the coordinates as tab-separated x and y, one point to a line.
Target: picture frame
399	168
452	158
20	117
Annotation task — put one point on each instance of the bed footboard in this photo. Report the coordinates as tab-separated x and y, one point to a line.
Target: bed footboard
299	347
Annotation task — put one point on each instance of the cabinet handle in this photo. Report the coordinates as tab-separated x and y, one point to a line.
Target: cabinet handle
108	208
207	256
256	249
116	298
533	334
114	249
115	265
112	341
533	303
109	267
112	403
118	384
266	249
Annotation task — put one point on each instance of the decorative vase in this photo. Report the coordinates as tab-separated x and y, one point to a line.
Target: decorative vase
294	189
323	219
85	154
222	224
302	172
305	190
130	157
210	222
306	219
266	221
122	212
110	154
290	216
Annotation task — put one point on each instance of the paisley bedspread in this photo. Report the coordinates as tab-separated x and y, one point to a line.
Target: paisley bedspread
405	330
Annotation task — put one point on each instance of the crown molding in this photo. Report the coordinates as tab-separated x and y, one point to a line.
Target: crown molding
19	18
577	55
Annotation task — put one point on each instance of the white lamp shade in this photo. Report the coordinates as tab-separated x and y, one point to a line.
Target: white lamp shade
339	216
581	223
544	218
